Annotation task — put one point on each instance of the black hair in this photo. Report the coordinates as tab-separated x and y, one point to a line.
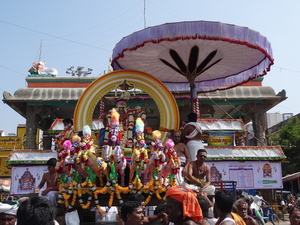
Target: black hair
204	204
36	211
127	208
159	209
51	162
68	120
136	197
224	200
201	150
192	117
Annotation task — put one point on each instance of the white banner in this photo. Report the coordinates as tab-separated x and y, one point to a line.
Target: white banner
26	179
248	174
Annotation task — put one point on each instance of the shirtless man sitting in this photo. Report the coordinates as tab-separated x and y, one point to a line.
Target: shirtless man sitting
50	178
198	176
183	155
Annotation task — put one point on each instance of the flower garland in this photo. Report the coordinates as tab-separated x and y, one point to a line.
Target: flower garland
152	189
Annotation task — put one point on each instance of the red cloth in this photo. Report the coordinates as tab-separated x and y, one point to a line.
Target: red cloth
188	198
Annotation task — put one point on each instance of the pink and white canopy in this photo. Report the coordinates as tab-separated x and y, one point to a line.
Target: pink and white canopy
204	55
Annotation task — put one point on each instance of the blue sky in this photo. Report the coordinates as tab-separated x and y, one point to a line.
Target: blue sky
84	33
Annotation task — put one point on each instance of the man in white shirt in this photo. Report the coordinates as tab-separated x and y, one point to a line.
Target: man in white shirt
258	200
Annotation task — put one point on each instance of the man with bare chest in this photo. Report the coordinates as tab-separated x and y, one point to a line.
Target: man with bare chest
50	178
183	155
198	174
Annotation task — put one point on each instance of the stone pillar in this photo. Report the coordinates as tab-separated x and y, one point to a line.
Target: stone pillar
47	140
31	127
45	125
34	115
257	113
259	125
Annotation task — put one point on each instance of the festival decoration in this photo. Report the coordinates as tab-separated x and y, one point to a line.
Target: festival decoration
203	55
139	154
171	166
41	69
156	158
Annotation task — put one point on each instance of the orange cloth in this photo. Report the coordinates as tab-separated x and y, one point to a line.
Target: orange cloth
188	198
238	220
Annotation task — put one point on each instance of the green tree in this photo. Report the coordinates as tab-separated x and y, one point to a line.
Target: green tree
289	138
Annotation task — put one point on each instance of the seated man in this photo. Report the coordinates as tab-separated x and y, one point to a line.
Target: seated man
50	178
132	213
182	206
198	175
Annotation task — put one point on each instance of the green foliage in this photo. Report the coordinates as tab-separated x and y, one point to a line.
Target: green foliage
289	139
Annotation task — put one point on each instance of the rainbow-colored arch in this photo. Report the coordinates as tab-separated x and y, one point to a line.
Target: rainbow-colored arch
164	99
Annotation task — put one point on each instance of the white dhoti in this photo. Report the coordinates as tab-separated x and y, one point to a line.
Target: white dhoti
178	176
193	146
51	196
209	190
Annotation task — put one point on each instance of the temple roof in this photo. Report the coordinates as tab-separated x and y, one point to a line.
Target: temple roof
67	98
73	94
30	156
244	153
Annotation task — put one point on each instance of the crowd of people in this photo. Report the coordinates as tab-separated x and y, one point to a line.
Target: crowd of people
182	206
193	201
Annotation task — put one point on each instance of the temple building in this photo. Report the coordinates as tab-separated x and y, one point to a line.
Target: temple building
49	98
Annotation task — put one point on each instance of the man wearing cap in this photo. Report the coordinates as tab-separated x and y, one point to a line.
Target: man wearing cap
182	206
8	214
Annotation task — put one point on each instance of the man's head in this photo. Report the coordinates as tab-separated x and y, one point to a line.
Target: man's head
223	201
192	117
201	155
204	204
294	216
176	137
36	211
67	121
138	198
132	213
182	204
174	210
160	209
51	163
258	193
241	208
8	213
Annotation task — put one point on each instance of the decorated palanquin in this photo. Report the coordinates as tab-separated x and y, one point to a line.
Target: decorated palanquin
89	178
